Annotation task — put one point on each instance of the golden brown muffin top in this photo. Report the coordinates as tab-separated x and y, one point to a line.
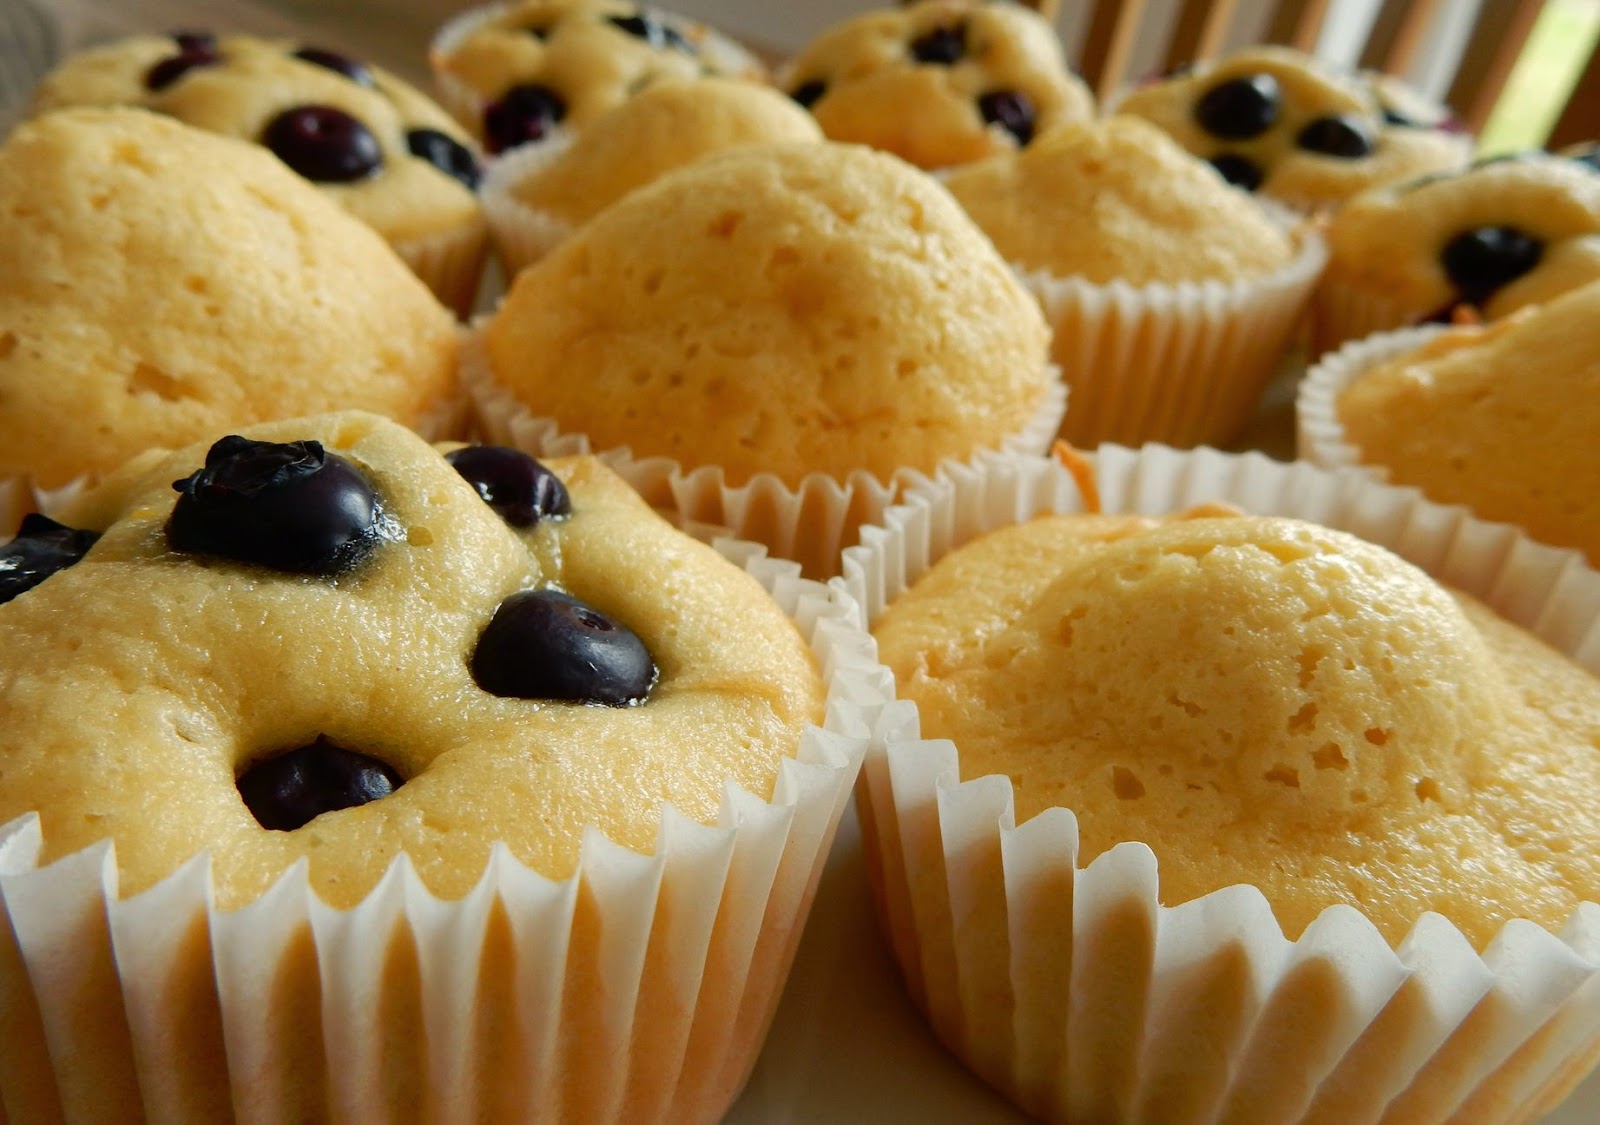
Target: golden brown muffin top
1504	234
543	64
1118	199
786	309
1279	121
1264	701
1501	419
374	159
939	83
144	685
661	128
159	283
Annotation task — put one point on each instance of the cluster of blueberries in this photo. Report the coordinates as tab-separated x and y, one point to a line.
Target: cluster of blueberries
294	508
321	142
1246	107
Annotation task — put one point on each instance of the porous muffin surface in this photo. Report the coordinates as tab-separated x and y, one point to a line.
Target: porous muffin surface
830	307
1118	199
159	283
241	85
144	679
1280	122
1504	234
1501	419
939	83
1264	701
661	128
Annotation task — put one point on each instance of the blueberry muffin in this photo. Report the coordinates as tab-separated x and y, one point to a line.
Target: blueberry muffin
939	83
214	665
1277	121
1505	233
116	334
519	73
539	195
1208	287
376	145
829	305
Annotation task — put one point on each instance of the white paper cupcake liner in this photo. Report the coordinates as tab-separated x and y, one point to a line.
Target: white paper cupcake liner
810	523
449	263
638	989
1073	990
1183	364
1319	434
522	234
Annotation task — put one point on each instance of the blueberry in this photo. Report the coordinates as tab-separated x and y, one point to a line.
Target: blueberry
523	114
809	93
1241	107
1240	171
941	46
291	507
662	36
1340	135
542	644
1392	116
289	790
340	64
41	548
1012	110
512	483
323	144
447	154
1481	260
173	67
196	41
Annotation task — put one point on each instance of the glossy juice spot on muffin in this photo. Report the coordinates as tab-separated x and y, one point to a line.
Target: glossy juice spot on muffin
521	489
1338	135
658	33
41	548
543	644
524	113
941	46
1012	110
289	790
1240	171
1481	260
1241	107
356	71
447	154
288	506
323	144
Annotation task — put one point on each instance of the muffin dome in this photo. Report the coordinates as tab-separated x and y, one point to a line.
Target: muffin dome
1263	701
159	283
1118	200
164	672
829	307
939	83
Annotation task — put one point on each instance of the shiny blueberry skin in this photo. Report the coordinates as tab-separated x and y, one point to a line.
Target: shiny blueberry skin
1339	135
941	46
543	644
288	506
357	72
42	547
324	144
164	73
1240	171
289	790
512	483
1481	260
1012	110
1240	108
523	114
661	36
447	154
809	93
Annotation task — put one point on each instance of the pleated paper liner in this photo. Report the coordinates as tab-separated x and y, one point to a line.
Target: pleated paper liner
639	989
1342	312
810	523
522	233
450	263
1184	364
1319	434
1077	994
